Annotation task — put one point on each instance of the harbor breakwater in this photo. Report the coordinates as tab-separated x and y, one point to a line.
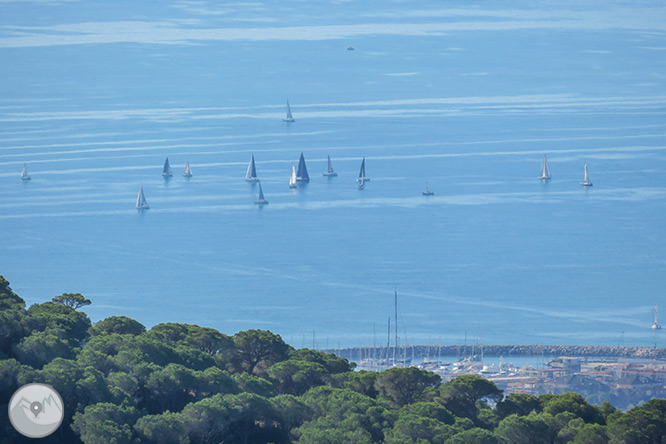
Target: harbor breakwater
359	353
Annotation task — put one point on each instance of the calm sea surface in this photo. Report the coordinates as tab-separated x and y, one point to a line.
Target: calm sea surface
95	95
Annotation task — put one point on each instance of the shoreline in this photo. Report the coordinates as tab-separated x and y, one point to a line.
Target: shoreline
605	351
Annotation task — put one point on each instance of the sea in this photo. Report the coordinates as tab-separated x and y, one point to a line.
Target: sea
464	98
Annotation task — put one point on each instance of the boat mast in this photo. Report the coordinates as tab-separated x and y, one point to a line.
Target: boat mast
395	346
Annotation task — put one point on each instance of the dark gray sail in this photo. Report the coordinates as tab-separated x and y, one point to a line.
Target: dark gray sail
166	171
251	174
262	200
361	175
302	174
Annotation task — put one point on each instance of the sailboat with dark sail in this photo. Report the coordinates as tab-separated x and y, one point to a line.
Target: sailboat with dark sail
262	200
302	174
141	203
166	171
251	173
330	172
289	117
586	181
24	173
188	171
361	175
545	170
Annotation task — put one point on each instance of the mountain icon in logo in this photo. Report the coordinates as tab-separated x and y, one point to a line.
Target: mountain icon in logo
36	410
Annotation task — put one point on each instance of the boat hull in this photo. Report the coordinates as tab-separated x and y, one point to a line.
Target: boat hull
252	179
428	193
331	174
288	120
543	177
365	179
586	184
300	179
261	202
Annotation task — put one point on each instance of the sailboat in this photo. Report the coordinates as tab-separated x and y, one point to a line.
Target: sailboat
24	173
302	174
251	174
188	171
289	117
361	184
586	181
141	203
655	324
330	172
262	200
166	171
545	170
361	174
292	179
428	191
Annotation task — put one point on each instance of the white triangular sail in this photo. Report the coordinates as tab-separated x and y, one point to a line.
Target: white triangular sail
586	181
188	171
289	117
141	202
292	178
545	169
251	174
330	172
166	171
24	173
655	324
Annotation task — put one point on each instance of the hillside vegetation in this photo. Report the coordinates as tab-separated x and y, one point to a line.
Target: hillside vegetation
180	384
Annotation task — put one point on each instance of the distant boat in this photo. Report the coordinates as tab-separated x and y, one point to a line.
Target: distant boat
361	184
361	174
141	202
292	179
655	324
545	170
166	171
586	181
302	174
188	171
350	48
24	173
251	174
289	117
262	200
428	191
330	172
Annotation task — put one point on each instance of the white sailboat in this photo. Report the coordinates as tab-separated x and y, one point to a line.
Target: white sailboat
262	200
428	191
251	174
188	171
24	173
361	174
655	324
586	181
289	117
292	178
545	170
141	203
166	171
330	172
302	174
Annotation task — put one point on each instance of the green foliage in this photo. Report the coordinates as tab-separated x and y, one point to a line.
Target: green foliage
42	347
530	429
167	428
121	325
205	339
645	424
430	410
460	395
105	423
407	385
332	363
520	404
257	350
297	377
573	403
476	436
73	300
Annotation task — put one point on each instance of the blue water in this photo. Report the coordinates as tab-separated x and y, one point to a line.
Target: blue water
94	95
